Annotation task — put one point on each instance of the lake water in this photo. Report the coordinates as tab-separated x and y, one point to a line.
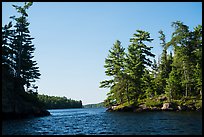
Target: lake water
96	121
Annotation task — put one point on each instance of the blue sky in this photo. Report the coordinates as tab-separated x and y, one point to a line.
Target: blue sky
72	39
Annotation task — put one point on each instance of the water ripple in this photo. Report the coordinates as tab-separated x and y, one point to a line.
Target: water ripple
98	122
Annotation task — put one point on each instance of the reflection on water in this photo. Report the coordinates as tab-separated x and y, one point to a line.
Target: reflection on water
97	121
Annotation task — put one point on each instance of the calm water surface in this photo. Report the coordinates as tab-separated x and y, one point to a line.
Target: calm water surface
97	121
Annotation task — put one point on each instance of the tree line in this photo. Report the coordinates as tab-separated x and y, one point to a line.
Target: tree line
135	75
55	102
98	105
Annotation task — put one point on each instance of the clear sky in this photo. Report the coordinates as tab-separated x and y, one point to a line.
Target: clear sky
72	39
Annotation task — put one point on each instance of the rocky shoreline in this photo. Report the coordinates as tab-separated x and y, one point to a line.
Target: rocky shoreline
163	105
16	103
14	115
143	108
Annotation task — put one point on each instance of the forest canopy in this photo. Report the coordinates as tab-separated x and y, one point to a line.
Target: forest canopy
55	102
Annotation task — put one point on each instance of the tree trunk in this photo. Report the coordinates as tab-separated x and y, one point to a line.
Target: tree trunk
127	94
184	68
19	56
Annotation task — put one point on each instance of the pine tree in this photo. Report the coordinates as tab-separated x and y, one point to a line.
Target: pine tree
154	68
197	52
26	68
17	48
173	88
136	63
164	66
178	75
181	40
7	52
169	62
148	84
114	65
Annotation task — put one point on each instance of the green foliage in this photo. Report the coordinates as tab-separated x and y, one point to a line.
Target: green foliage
136	63
114	65
164	68
183	80
153	103
17	48
198	104
54	102
176	76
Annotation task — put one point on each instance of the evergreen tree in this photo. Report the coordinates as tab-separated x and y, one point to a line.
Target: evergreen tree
7	52
164	66
136	63
154	68
114	65
197	52
174	88
169	62
148	84
17	48
184	60
178	75
25	67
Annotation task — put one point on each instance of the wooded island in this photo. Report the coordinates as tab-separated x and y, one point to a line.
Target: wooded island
174	82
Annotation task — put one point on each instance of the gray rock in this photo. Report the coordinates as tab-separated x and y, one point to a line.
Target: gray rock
167	106
143	106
